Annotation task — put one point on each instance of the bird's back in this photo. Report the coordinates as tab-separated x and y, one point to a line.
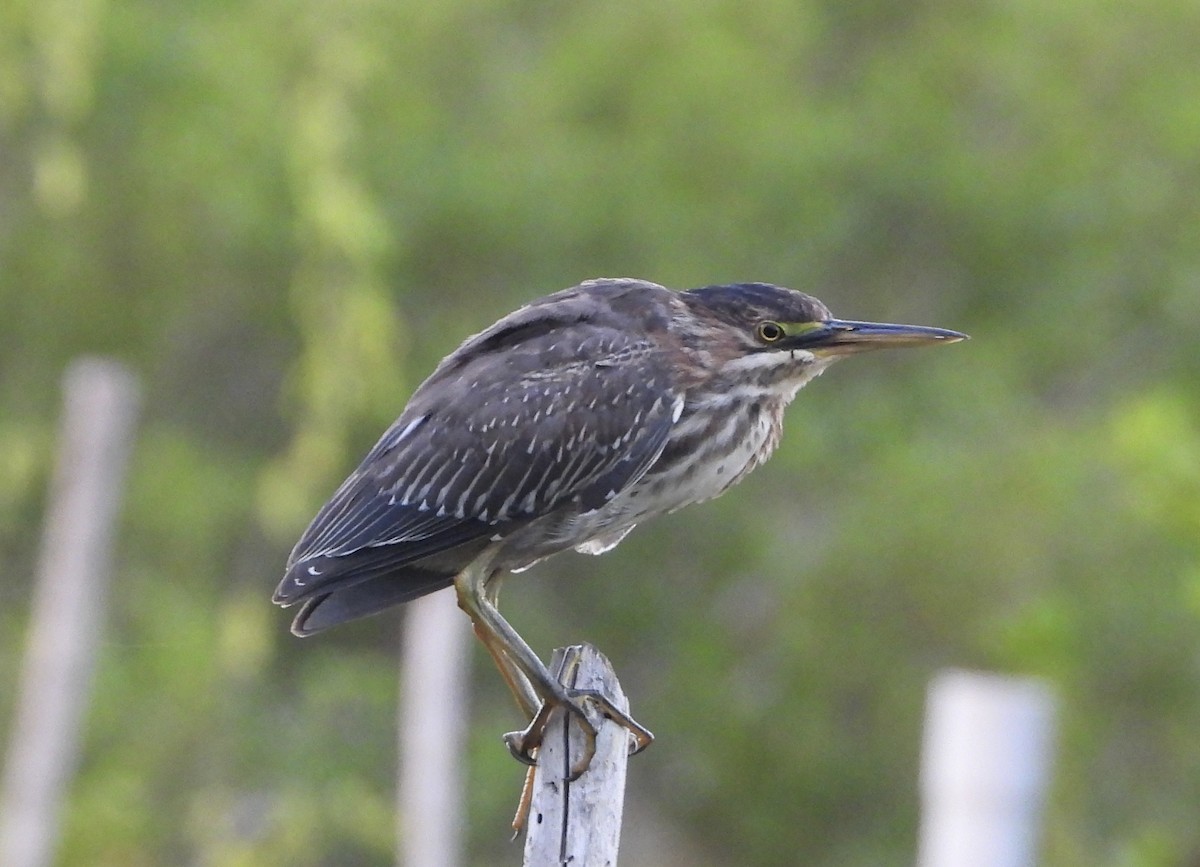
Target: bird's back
550	413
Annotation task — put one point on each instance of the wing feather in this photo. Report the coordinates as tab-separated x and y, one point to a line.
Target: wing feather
483	448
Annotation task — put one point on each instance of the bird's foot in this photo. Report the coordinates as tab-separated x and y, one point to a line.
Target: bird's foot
586	707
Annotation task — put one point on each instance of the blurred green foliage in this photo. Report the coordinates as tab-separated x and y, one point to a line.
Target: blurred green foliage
282	215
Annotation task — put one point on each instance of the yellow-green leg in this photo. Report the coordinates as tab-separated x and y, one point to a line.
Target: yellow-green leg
537	692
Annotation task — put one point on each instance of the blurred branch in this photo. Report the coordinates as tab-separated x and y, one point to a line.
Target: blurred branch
984	769
100	407
433	726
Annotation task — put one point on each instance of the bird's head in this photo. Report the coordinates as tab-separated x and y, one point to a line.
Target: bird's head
759	318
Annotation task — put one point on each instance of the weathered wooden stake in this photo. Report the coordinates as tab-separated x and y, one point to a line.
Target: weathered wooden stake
433	715
579	823
68	606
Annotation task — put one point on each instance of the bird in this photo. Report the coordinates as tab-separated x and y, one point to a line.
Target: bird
563	426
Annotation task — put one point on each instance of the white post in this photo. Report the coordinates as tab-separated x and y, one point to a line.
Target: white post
433	722
68	607
984	770
579	822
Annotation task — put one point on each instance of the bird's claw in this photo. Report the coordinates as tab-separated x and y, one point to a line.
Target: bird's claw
522	747
581	705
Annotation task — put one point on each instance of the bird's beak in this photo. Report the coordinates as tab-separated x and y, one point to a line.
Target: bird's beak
843	337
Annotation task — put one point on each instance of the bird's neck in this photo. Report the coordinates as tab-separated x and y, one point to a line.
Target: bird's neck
770	378
731	423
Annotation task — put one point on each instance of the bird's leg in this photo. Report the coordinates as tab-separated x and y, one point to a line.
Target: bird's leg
564	666
533	686
518	684
530	705
523	744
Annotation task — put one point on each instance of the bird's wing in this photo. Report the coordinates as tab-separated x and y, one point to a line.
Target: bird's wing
488	445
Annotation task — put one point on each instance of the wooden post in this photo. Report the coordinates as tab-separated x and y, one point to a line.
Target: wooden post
984	770
100	405
433	718
579	823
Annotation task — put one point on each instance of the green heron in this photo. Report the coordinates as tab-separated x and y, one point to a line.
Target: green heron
565	425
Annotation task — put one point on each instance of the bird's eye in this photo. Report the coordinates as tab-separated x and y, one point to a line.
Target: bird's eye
769	332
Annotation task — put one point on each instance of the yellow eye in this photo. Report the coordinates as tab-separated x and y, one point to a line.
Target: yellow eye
769	332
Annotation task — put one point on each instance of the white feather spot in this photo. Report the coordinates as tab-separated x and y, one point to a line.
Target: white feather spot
410	427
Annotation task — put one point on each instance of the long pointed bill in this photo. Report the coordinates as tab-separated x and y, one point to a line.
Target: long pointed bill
842	337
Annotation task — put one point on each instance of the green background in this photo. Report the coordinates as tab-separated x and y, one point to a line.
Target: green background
281	215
